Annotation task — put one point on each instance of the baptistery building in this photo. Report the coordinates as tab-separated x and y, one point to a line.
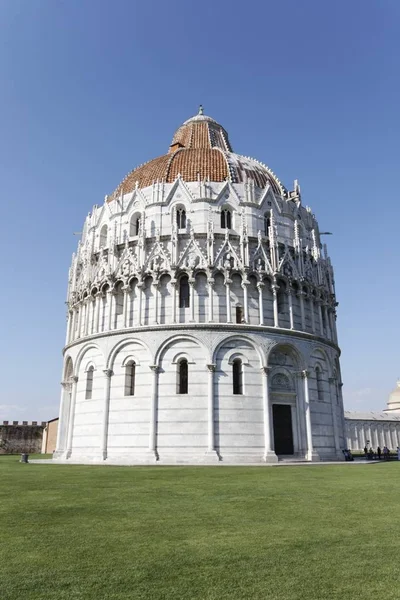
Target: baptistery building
201	317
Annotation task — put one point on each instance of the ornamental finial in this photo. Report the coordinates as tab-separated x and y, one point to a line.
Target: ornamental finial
201	111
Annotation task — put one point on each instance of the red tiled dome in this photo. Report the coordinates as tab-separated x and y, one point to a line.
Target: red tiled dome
200	149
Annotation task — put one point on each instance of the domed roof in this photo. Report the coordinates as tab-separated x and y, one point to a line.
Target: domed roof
200	150
394	399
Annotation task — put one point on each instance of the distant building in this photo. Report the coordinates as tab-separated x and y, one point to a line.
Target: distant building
201	317
375	428
49	440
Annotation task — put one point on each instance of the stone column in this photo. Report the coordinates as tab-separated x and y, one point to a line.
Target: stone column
392	437
396	434
311	454
332	396
73	321
92	314
290	303
71	416
61	444
275	289
245	285
321	325
139	286
174	284
340	402
331	326
303	316
269	452
210	283
363	439
155	294
191	302
260	287
334	328
99	297
126	290
106	412
80	319
370	435
211	452
69	325
153	412
312	308
327	328
356	437
88	303
228	300
110	297
379	434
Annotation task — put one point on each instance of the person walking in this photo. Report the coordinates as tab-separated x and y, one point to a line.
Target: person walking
379	452
366	451
398	453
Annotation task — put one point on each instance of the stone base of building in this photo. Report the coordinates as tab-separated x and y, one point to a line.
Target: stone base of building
270	457
313	456
210	457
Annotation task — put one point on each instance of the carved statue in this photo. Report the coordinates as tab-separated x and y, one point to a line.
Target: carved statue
260	264
228	261
192	260
126	267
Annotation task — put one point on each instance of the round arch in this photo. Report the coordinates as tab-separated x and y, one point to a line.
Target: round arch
68	370
282	370
288	346
82	353
119	346
315	360
176	338
241	337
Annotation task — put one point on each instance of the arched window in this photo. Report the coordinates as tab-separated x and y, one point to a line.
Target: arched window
320	391
239	314
226	219
103	236
281	301
183	376
267	223
181	218
89	383
237	373
134	228
130	372
184	297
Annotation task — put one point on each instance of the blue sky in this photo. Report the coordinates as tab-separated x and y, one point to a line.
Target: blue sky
91	88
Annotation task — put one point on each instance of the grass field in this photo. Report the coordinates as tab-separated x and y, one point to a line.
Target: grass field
209	533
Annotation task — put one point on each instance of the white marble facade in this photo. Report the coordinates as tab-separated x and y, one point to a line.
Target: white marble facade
201	324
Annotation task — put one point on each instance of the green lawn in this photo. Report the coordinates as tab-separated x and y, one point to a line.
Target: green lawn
209	533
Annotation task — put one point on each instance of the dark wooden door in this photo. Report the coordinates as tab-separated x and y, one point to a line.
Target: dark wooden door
283	433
